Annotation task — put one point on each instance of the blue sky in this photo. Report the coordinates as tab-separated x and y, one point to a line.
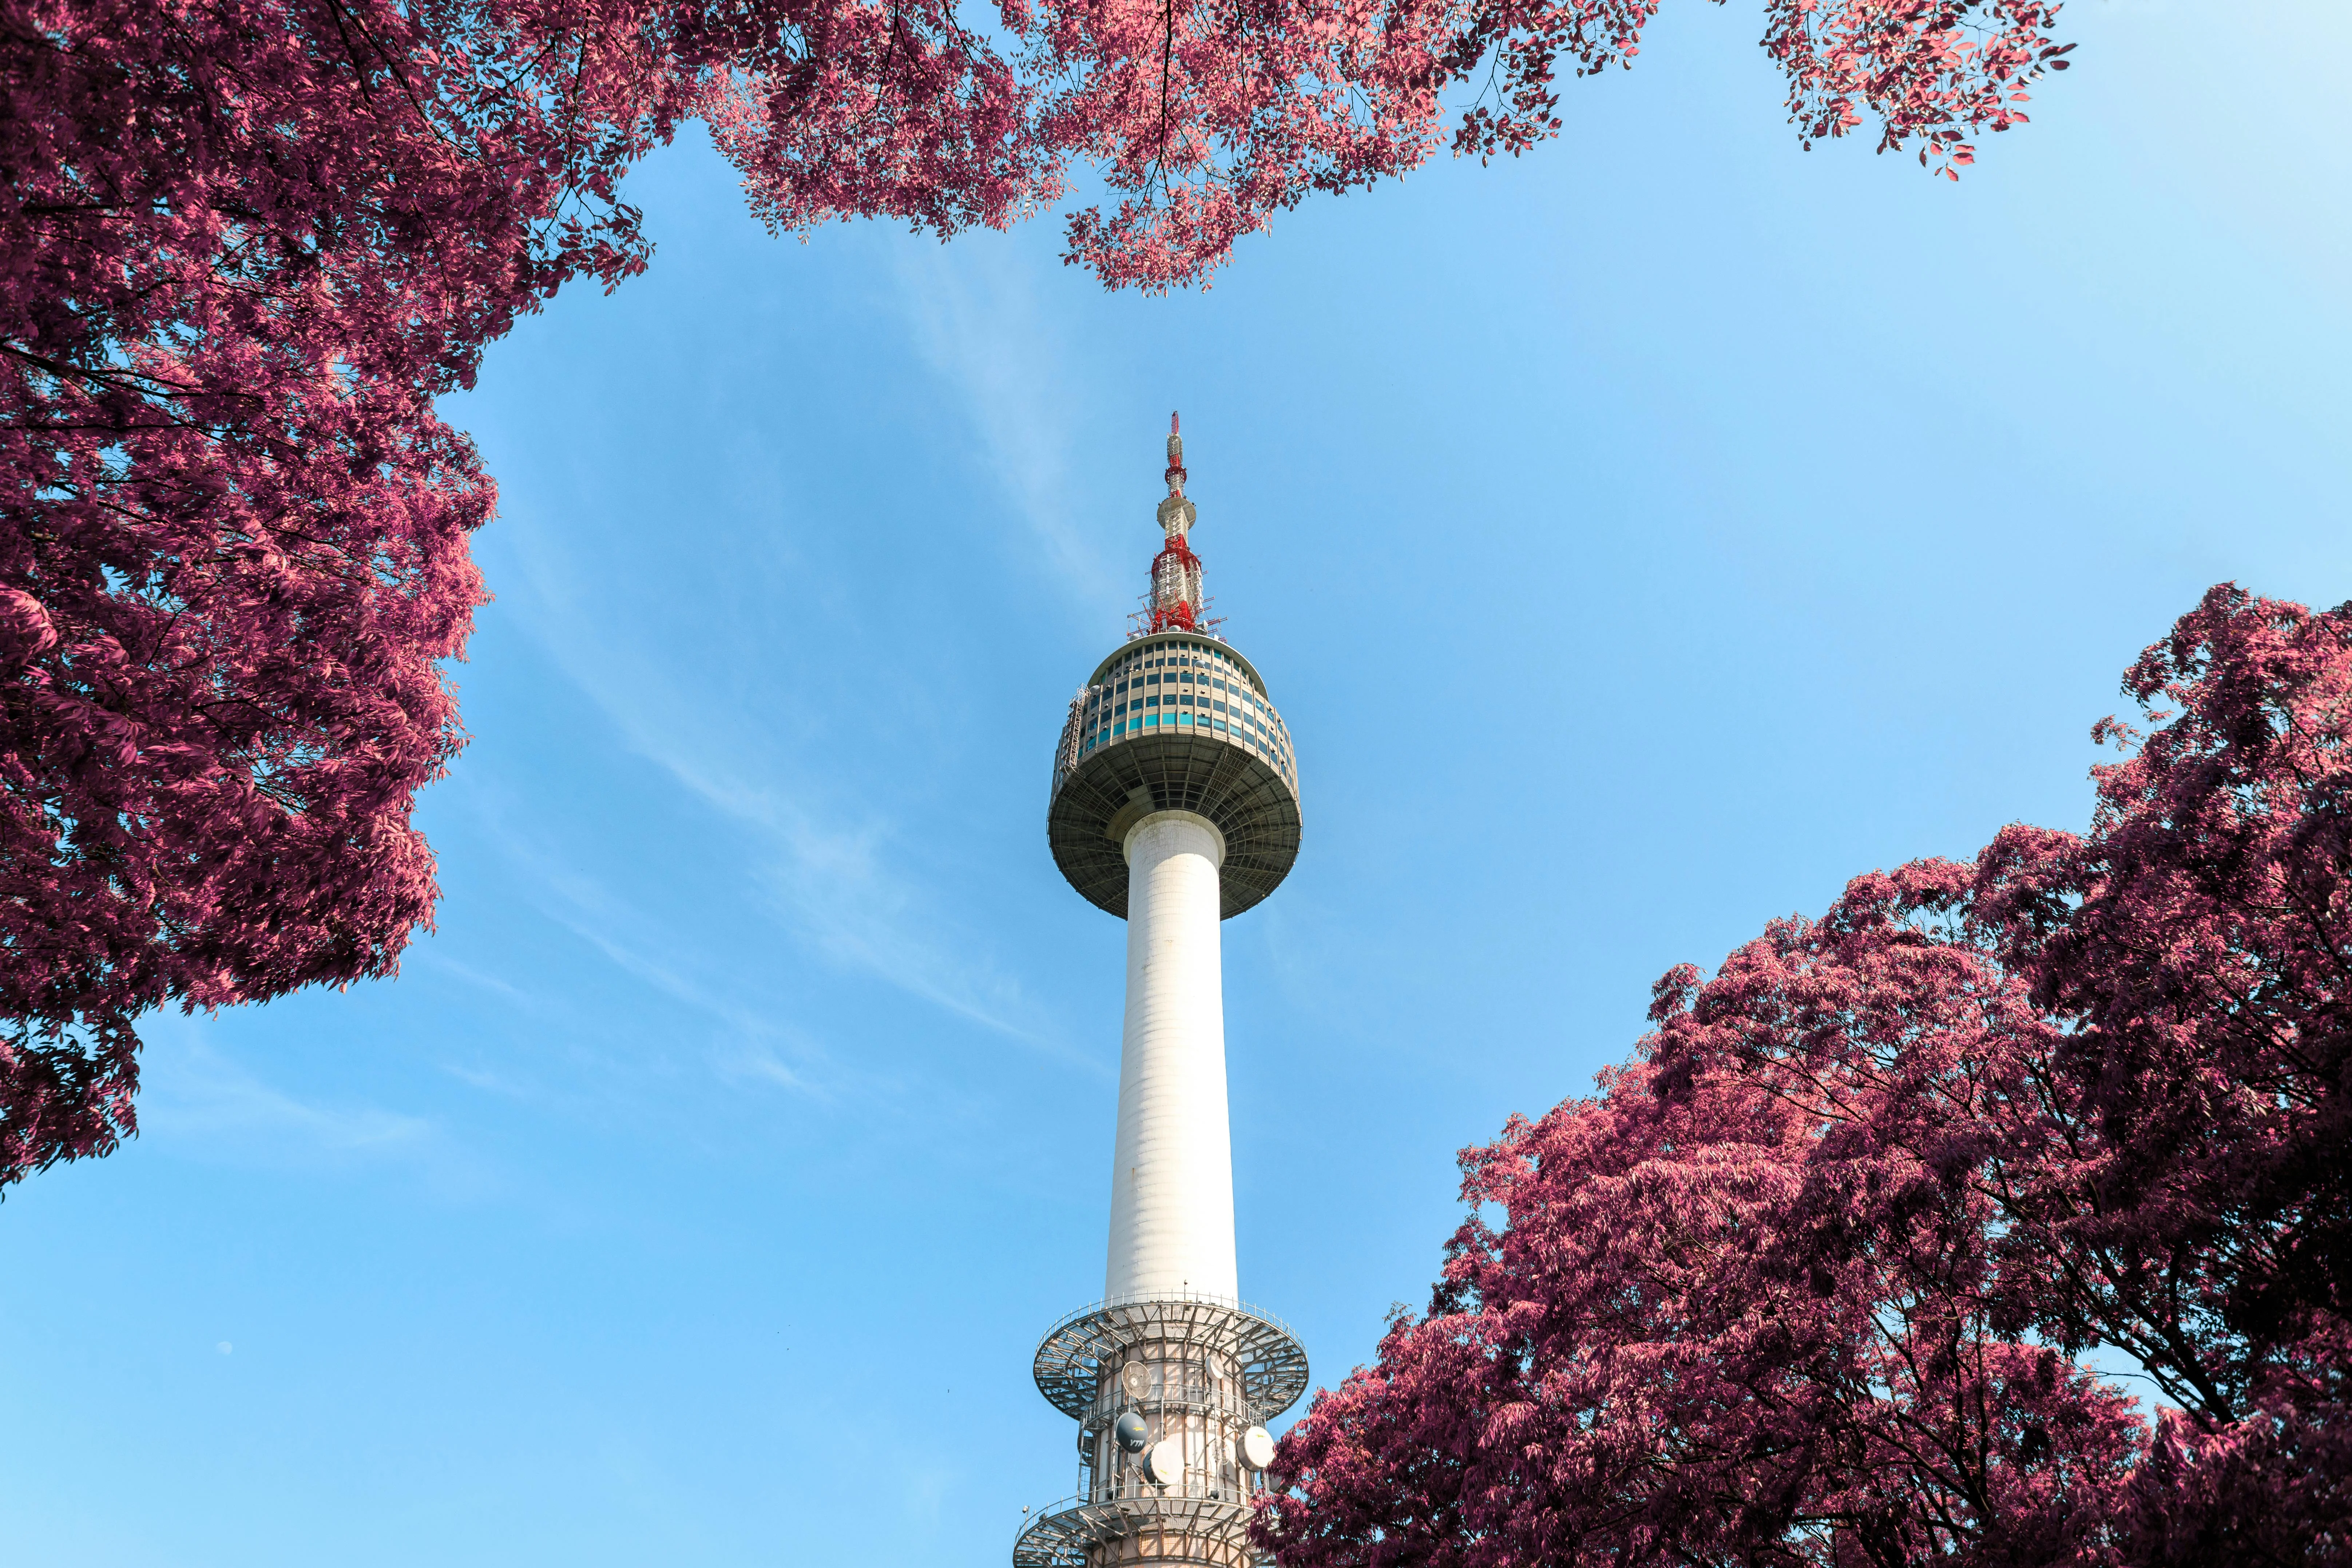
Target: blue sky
1640	539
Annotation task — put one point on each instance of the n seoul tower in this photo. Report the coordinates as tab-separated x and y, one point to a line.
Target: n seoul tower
1175	804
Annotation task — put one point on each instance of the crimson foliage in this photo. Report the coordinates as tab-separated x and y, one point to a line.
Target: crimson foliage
1811	1279
245	244
235	538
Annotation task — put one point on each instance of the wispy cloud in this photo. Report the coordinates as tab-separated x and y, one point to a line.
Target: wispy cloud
198	1099
424	956
759	1064
753	1035
833	873
751	1043
971	309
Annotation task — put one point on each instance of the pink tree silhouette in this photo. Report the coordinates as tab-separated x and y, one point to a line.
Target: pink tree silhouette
1811	1279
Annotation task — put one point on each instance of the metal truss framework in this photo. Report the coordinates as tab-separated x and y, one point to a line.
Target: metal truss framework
1098	799
1078	1533
1072	1355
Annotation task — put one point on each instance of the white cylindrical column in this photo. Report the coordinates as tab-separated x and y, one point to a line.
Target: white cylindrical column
1172	1188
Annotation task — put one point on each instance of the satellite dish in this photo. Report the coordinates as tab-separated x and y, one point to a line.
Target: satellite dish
1257	1447
1130	1432
1164	1464
1136	1378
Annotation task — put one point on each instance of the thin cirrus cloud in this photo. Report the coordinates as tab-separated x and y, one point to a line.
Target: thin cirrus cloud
196	1097
754	1041
751	1046
973	316
829	874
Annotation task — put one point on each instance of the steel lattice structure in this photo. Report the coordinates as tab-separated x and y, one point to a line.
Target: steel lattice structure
1072	1356
1078	1533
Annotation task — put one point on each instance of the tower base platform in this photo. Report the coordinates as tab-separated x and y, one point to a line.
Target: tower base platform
1164	1389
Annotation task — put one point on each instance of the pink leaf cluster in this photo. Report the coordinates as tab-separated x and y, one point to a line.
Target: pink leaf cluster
1937	71
1202	119
1811	1279
245	244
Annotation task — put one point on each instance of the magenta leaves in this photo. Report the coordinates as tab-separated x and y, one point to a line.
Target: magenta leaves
248	243
1810	1281
1203	119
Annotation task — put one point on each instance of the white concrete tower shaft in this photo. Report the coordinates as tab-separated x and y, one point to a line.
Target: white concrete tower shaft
1171	1206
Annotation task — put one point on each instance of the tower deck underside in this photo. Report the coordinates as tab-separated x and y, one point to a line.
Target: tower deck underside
1112	788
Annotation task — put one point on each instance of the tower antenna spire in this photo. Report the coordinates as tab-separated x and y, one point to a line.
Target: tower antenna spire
1175	602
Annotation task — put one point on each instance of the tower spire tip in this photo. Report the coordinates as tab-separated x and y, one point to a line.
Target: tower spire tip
1175	596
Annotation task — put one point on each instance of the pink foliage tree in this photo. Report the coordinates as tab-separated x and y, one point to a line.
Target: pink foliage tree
1811	1279
248	243
1749	1304
2196	950
245	244
1204	119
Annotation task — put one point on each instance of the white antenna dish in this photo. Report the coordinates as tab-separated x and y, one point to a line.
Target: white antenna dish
1136	1378
1163	1463
1257	1447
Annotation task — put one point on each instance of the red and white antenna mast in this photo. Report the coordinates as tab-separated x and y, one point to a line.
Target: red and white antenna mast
1175	602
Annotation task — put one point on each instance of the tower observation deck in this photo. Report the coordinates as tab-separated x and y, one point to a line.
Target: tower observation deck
1174	804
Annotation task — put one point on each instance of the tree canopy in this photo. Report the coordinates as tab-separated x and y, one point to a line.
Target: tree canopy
1811	1279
